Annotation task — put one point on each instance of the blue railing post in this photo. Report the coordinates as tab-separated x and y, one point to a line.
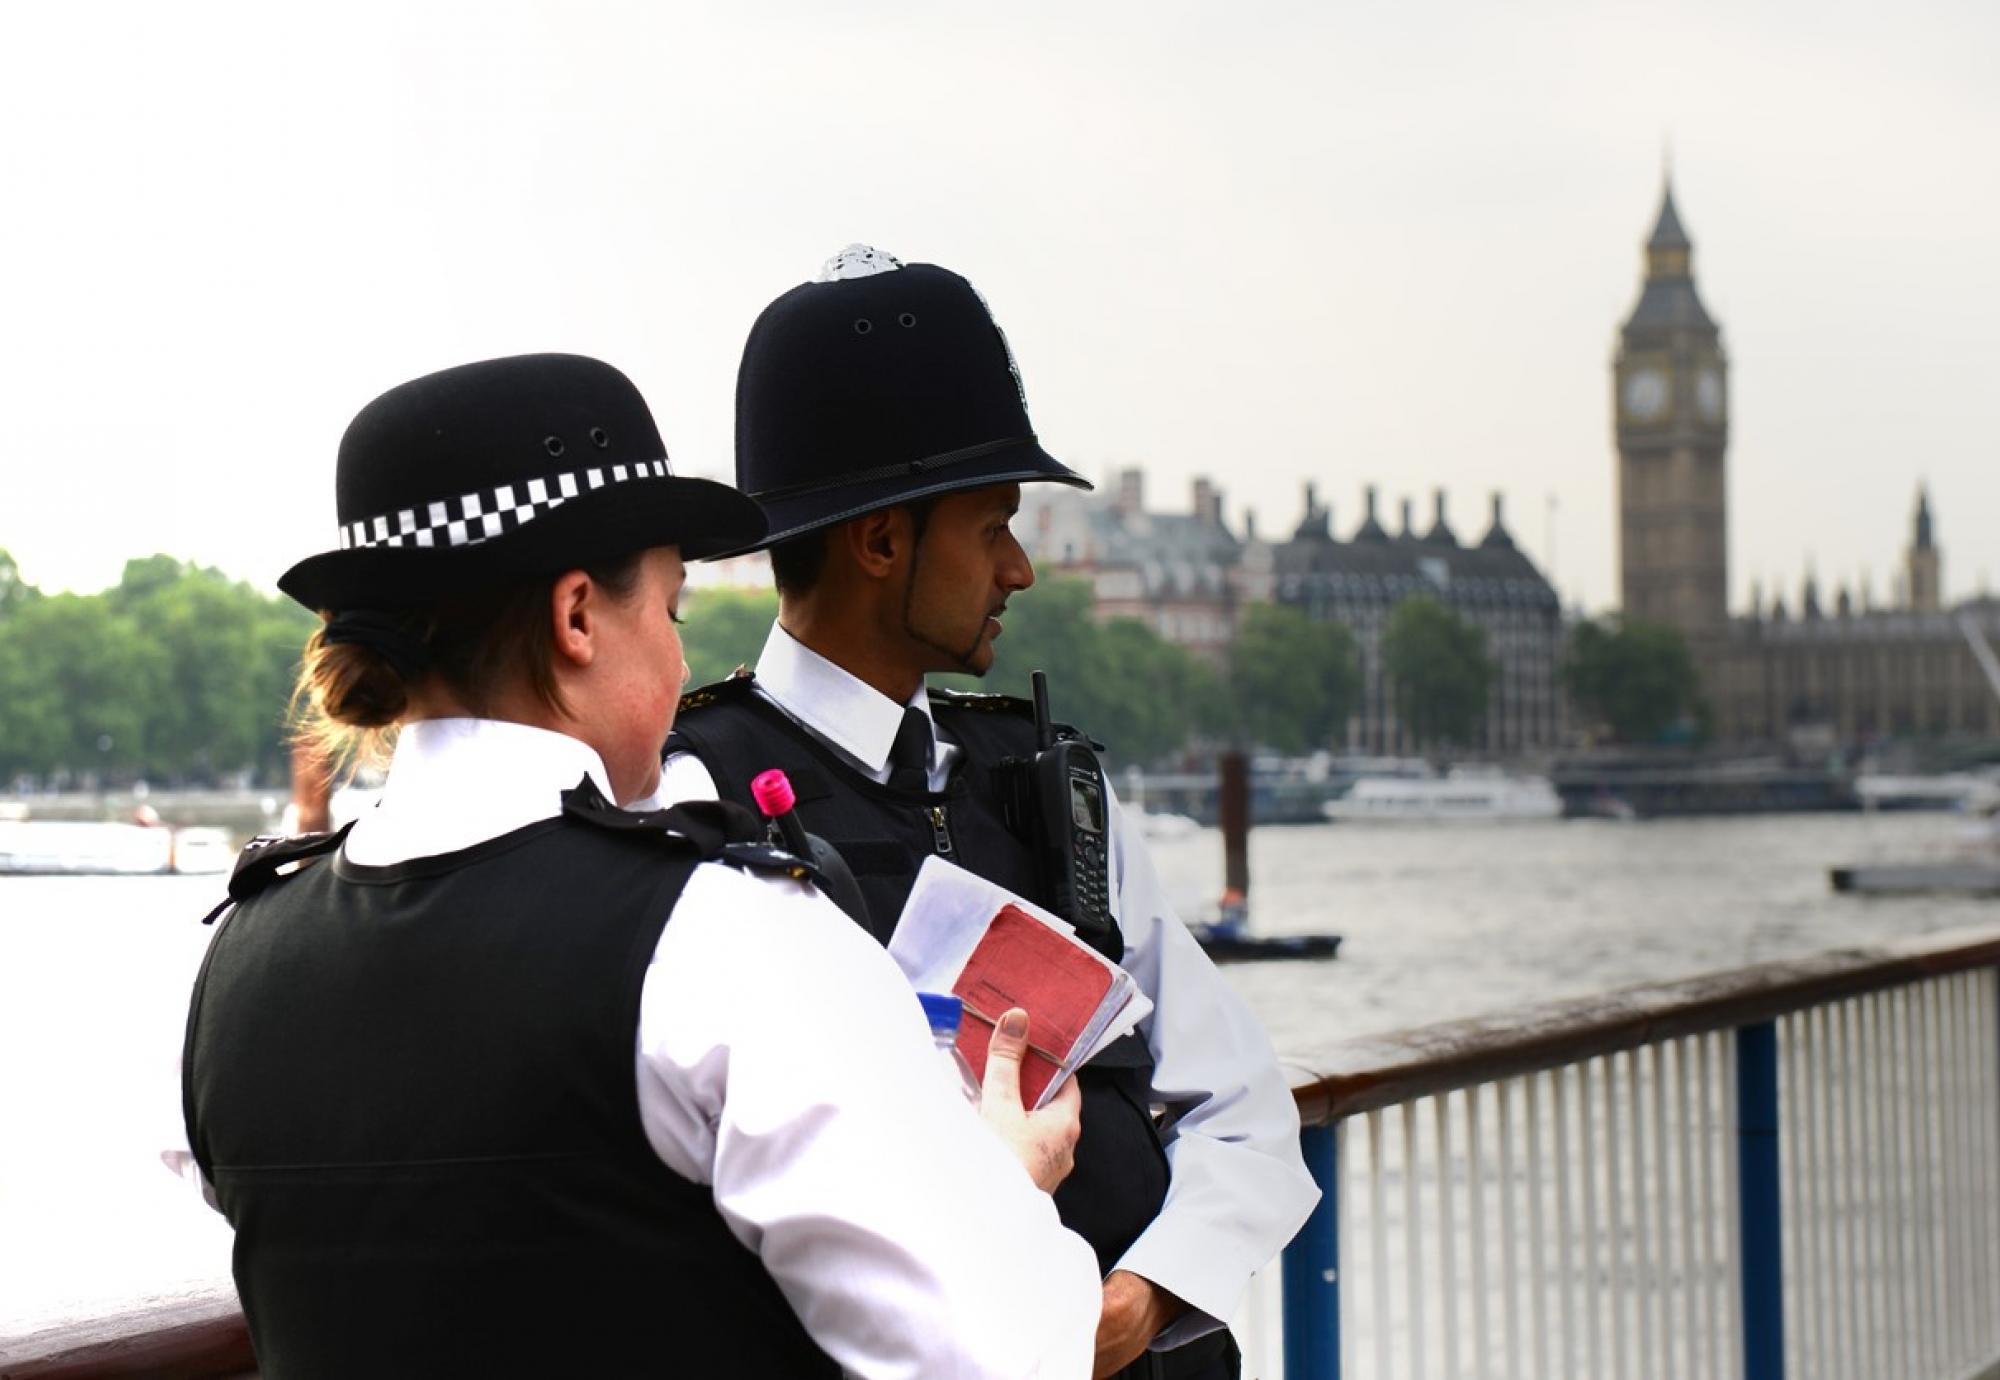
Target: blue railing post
1312	1271
1757	1182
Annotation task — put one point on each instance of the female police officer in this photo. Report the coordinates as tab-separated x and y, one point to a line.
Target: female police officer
509	1080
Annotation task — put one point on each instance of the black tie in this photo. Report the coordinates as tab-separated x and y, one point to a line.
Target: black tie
910	754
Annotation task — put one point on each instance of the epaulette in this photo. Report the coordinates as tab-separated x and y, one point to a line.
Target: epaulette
735	683
764	857
268	857
986	702
982	701
717	830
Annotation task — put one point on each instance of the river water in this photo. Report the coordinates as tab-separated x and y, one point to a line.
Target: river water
1439	923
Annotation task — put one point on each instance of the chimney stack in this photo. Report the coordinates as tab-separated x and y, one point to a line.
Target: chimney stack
1207	502
1131	500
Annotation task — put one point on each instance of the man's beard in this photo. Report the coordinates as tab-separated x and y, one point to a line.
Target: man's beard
963	660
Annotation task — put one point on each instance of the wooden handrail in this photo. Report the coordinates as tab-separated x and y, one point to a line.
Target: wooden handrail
200	1338
1365	1074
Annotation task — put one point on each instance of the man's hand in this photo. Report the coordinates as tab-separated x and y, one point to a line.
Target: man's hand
1045	1140
1136	1310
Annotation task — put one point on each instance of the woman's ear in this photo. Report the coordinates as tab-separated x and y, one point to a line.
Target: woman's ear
572	617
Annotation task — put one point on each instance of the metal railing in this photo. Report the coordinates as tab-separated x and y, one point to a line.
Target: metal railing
1792	1169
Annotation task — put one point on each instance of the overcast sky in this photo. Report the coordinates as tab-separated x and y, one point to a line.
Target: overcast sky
1383	243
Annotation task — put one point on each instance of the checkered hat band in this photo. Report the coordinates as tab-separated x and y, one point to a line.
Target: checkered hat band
473	518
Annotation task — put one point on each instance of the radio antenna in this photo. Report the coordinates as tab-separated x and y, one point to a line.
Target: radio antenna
1045	731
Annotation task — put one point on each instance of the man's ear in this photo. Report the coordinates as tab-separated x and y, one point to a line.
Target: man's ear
879	542
572	618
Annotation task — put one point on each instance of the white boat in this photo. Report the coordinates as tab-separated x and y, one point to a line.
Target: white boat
76	848
202	849
1465	797
1959	790
62	847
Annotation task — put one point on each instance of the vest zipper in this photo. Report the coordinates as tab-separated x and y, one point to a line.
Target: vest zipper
940	831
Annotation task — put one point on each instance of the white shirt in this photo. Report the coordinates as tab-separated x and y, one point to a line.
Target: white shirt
782	1059
1239	1189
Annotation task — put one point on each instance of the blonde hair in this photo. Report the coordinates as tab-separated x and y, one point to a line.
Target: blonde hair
350	697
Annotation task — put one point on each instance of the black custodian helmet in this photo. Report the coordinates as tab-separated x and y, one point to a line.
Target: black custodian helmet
879	383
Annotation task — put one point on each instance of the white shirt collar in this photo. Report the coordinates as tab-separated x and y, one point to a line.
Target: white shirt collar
848	712
457	782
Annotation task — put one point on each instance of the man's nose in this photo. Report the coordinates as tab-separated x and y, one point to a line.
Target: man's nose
1017	572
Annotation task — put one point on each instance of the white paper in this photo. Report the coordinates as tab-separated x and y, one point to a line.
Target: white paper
942	922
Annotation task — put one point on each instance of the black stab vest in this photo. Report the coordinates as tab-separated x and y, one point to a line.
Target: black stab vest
1120	1179
412	1088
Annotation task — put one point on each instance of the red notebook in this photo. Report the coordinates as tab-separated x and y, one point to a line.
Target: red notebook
1022	962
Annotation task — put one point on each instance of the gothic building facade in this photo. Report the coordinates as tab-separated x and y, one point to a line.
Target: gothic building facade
1189	577
1850	675
1489	583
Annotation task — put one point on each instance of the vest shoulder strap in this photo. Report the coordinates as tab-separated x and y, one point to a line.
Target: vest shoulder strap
981	703
715	830
272	857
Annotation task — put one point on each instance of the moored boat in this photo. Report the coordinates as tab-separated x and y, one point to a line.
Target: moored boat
1231	946
1460	797
1959	790
64	847
82	848
1969	877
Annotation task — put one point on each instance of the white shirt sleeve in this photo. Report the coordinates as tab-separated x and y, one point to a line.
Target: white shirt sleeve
683	777
177	1157
784	1061
1239	1188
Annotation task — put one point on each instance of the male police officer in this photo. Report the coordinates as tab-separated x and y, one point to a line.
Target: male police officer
881	423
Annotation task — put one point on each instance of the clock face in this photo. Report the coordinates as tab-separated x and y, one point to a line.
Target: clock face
1646	394
1708	394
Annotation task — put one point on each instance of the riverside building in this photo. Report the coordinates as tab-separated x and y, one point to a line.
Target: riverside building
1189	578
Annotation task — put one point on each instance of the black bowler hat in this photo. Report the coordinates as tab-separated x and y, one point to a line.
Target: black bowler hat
879	383
504	470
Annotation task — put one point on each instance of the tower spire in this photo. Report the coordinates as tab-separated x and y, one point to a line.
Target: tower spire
1669	251
1670	397
1923	562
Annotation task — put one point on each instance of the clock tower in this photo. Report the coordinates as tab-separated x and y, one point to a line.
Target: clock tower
1670	397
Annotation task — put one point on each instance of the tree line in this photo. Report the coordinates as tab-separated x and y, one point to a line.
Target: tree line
179	674
1289	684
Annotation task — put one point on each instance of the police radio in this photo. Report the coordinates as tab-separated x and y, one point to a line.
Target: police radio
1066	822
